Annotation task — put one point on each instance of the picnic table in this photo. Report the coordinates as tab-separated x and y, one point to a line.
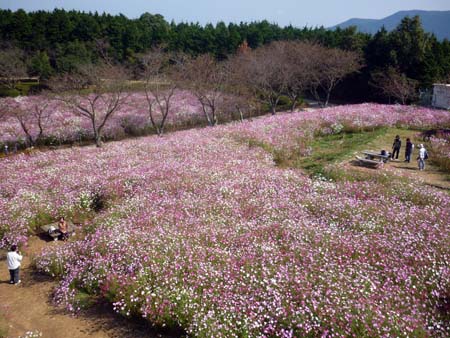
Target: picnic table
52	229
369	163
370	155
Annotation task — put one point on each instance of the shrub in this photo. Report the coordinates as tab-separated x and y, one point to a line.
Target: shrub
5	92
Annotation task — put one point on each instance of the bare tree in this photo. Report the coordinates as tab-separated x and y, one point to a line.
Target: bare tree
292	67
94	92
206	78
102	47
12	67
394	84
266	72
32	114
330	66
240	98
299	69
160	86
281	68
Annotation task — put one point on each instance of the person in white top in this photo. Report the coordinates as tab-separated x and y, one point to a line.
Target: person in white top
423	155
14	260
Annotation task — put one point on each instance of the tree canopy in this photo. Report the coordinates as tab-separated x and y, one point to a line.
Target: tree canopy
59	41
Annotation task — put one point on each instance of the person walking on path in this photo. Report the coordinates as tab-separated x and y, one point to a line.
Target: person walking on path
423	155
409	150
396	147
14	260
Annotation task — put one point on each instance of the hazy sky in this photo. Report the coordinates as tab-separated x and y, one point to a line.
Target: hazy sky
283	12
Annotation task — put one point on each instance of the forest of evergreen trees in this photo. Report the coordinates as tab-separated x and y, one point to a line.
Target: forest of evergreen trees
57	42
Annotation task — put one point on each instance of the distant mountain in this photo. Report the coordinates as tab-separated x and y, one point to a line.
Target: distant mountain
437	22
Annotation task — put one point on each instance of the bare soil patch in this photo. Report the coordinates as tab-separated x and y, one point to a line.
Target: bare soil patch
430	176
28	307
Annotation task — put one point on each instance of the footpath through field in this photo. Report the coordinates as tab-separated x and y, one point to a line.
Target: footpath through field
430	176
27	307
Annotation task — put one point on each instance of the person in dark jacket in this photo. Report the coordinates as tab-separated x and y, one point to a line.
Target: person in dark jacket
408	150
396	147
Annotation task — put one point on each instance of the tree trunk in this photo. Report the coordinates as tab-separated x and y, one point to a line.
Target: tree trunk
97	134
205	112
30	140
404	98
327	99
317	96
165	113
273	105
27	133
98	140
214	116
294	103
241	115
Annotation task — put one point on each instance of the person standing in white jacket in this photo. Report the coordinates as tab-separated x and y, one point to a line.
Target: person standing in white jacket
423	155
14	260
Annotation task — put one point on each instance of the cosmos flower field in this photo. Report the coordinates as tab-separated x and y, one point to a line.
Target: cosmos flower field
60	125
199	230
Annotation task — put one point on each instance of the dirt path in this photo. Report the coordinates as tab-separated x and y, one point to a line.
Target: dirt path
430	176
27	307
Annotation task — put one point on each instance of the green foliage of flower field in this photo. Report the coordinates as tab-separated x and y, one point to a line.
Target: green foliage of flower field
206	230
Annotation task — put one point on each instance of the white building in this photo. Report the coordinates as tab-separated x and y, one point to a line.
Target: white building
441	96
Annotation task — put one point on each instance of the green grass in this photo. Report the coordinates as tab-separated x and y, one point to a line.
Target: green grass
5	92
330	155
25	87
41	218
326	150
21	88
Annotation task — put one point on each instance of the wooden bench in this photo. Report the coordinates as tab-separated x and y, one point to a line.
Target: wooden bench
56	233
370	155
369	163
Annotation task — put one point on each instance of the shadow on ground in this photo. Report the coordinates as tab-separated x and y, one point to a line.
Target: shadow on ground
357	164
101	316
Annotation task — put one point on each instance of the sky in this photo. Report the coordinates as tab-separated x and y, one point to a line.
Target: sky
284	12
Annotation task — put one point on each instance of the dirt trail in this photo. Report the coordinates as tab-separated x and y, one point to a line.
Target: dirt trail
431	176
27	307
